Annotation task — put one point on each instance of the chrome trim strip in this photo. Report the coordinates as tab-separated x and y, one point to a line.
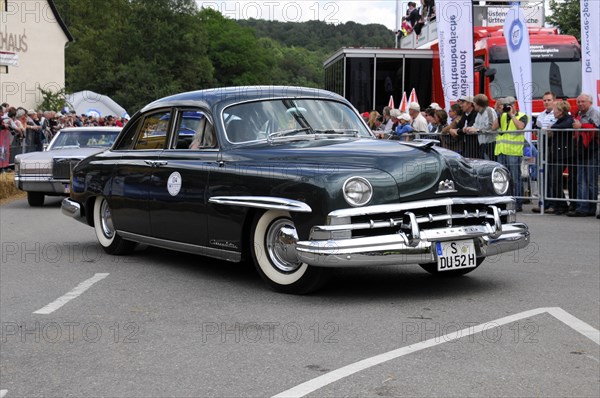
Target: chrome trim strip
33	177
221	254
262	202
41	178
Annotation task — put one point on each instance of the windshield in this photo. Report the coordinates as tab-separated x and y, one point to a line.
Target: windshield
83	139
561	77
291	118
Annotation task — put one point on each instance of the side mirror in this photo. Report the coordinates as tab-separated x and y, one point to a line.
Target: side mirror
490	74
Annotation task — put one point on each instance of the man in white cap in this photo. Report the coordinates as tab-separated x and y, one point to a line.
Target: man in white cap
419	123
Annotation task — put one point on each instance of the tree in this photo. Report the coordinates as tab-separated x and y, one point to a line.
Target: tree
235	52
55	100
566	16
135	51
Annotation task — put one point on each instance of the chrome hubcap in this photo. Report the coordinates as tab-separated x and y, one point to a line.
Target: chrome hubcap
281	245
106	220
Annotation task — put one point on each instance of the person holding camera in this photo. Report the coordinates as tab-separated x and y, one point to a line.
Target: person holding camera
510	143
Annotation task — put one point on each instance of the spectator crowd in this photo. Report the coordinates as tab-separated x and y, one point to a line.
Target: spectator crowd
570	140
417	17
29	130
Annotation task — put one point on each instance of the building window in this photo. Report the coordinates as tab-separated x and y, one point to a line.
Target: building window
3	69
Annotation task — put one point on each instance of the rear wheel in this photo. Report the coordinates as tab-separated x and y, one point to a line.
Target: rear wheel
274	255
35	199
432	269
108	237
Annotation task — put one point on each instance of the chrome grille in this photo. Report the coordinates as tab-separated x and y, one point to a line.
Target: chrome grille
61	168
456	215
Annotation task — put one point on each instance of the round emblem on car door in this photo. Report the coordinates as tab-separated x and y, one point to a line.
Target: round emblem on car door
174	184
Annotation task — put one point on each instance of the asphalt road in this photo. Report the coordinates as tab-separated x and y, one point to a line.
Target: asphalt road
160	323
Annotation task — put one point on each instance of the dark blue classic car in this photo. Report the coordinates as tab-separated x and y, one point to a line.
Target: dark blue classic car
293	179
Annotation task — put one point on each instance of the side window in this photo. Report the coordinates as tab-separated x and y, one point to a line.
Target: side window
194	131
153	131
129	136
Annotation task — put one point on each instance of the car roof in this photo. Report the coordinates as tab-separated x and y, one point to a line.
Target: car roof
229	95
91	128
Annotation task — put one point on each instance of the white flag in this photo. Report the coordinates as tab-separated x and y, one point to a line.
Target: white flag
516	35
590	49
455	34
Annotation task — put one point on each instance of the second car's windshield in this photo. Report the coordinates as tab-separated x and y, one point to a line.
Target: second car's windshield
83	139
271	119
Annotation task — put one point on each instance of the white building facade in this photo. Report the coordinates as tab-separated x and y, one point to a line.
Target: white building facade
33	38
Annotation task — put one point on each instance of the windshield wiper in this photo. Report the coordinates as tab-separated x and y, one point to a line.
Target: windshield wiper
343	132
283	133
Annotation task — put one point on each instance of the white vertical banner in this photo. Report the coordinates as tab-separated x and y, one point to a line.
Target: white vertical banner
516	35
590	49
455	34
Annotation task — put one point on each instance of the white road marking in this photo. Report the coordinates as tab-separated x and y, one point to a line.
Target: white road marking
3	393
576	323
312	385
59	302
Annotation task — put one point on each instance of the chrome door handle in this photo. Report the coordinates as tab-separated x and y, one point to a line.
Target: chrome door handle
156	163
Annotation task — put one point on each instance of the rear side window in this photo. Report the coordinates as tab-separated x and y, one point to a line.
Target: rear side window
194	131
153	132
146	133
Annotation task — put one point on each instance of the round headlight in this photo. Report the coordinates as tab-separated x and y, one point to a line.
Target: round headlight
500	181
357	191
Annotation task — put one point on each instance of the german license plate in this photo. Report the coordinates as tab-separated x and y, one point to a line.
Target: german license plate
455	255
67	188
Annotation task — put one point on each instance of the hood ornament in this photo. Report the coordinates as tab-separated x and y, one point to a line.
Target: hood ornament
446	187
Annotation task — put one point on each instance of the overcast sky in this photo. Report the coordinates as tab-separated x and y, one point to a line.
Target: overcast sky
360	11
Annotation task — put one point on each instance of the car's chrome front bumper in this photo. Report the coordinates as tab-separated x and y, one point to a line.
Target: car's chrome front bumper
394	249
45	184
417	226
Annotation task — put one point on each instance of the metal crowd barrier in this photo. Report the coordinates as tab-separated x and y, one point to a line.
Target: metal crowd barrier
10	147
571	163
558	168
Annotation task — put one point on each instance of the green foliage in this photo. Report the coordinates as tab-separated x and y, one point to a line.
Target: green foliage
136	51
235	52
566	16
52	100
321	36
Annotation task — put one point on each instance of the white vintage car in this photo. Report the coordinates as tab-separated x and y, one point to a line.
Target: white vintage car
48	173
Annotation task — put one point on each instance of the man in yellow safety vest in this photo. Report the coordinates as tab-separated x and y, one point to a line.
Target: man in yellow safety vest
510	143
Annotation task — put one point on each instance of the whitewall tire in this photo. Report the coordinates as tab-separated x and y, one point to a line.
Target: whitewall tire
274	255
107	236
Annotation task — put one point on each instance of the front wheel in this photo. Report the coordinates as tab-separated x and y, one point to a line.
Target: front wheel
274	255
35	199
108	237
432	269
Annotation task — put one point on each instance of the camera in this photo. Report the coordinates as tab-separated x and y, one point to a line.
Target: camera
506	108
